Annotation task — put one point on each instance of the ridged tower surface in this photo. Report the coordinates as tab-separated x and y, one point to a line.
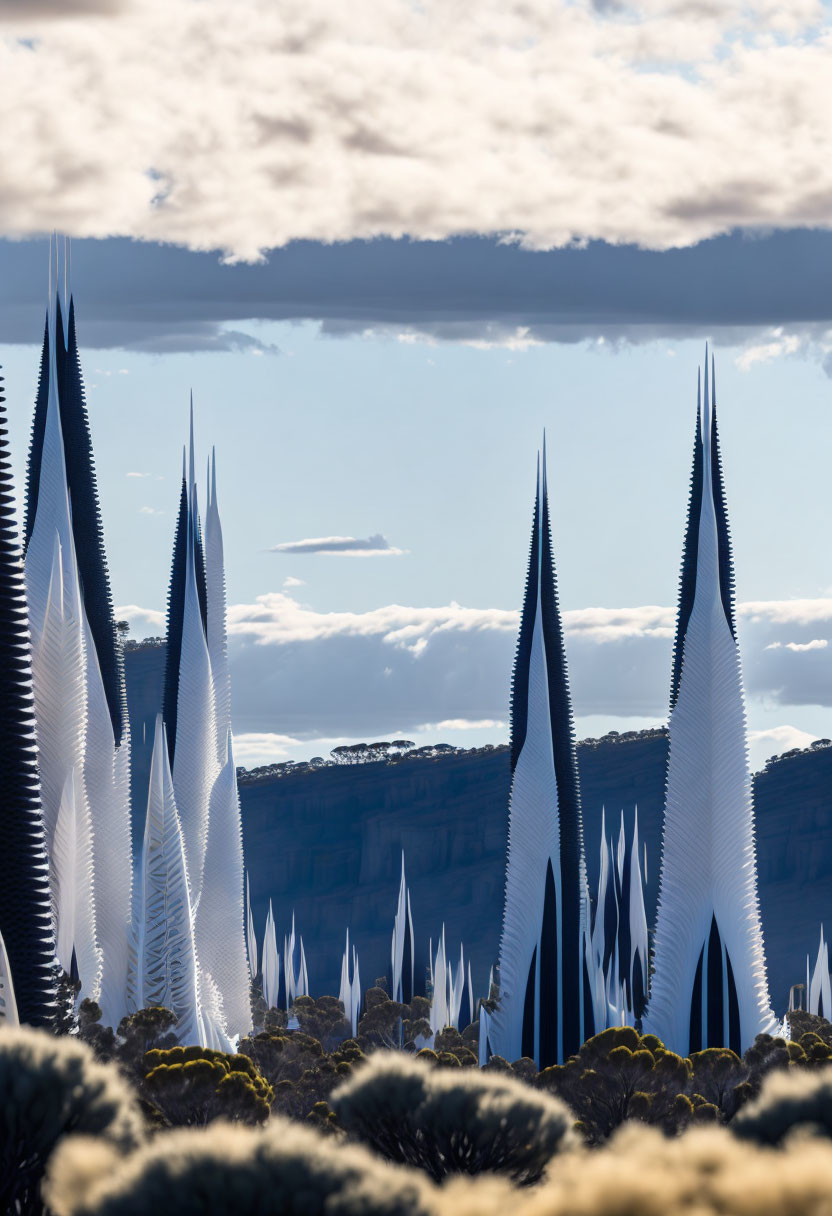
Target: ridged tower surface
25	900
544	1009
105	787
709	986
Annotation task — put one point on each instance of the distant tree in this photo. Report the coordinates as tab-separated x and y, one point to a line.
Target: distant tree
51	1087
101	1039
382	1023
720	1078
323	1018
195	1086
619	1075
139	1033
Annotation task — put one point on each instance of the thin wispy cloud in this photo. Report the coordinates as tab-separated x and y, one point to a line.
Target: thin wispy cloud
339	546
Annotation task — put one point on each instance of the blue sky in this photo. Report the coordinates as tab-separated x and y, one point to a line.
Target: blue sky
432	444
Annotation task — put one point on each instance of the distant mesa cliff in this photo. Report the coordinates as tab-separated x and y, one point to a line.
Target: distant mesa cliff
325	837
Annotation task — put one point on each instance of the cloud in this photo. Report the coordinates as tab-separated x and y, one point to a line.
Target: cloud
137	474
150	511
279	619
797	647
306	674
341	546
464	724
291	581
779	344
29	10
659	125
144	622
765	293
262	747
774	741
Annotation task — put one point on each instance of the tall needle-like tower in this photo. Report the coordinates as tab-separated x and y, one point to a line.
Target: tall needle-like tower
544	1007
709	988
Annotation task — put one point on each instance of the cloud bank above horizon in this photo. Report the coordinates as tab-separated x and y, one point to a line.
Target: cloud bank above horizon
301	674
657	123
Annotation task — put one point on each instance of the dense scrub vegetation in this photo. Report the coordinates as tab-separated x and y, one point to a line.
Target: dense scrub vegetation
98	1122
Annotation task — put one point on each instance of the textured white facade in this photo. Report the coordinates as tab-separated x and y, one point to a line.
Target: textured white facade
195	766
216	624
107	783
59	679
8	1004
542	1010
401	948
271	963
709	987
220	934
251	936
349	992
166	961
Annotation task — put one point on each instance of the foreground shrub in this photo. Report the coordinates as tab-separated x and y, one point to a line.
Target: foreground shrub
640	1172
50	1087
283	1169
788	1101
196	1085
452	1120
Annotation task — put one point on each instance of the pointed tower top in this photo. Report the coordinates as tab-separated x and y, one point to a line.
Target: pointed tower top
191	461
213	477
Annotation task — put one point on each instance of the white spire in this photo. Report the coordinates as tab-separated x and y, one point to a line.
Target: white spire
819	996
220	916
439	1010
639	943
708	883
195	766
344	989
250	934
8	1004
271	963
289	976
59	678
355	993
216	602
402	945
166	961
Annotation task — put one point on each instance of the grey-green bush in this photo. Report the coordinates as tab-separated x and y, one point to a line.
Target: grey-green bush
642	1172
452	1121
51	1087
788	1100
283	1168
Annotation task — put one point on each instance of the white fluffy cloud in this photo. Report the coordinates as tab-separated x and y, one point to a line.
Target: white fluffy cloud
302	674
245	125
279	619
774	741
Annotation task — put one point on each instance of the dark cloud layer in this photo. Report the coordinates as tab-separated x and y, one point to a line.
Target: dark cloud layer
161	298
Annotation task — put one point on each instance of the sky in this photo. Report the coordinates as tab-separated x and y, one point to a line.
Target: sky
385	257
